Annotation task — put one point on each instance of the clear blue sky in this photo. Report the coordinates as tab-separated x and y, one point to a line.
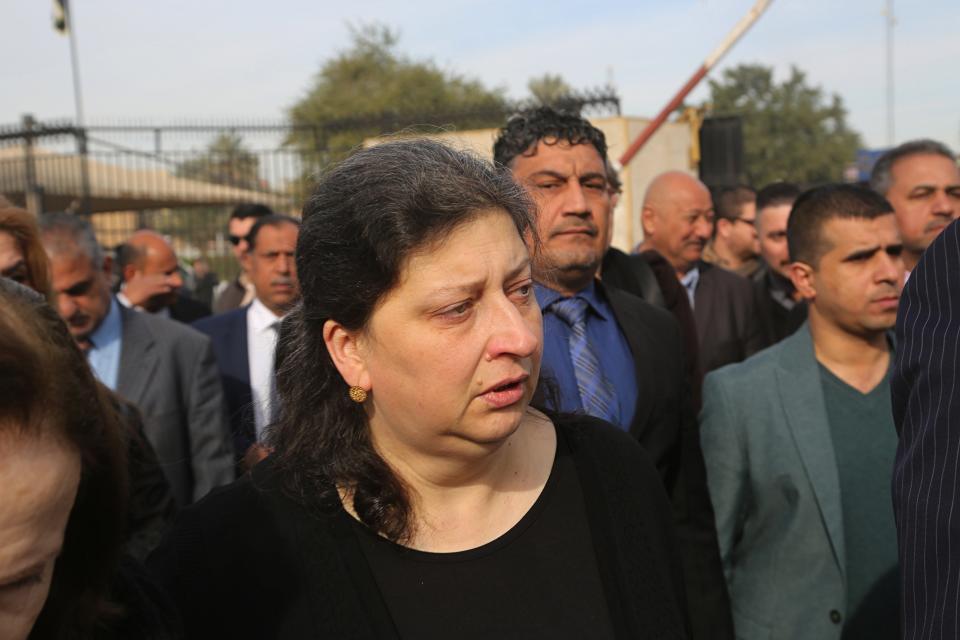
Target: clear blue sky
213	58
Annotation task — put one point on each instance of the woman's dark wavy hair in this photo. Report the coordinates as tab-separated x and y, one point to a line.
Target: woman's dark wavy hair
367	216
47	389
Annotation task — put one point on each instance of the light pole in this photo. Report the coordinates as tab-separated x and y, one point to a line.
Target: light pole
890	21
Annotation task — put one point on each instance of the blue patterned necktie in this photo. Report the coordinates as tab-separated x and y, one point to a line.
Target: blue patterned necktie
597	395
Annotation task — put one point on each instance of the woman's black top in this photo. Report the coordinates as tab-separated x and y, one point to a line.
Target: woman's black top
538	580
248	561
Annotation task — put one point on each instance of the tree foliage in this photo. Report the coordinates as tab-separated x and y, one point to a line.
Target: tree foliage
226	161
549	89
370	89
791	131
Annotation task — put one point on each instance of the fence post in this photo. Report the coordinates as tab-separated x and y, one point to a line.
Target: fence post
32	193
81	134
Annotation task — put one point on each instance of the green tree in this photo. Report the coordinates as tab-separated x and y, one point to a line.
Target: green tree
370	89
548	89
791	131
226	161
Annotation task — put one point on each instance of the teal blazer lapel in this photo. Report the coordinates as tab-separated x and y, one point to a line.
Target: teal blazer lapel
138	359
798	381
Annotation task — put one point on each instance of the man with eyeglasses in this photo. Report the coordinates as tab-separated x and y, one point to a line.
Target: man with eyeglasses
240	292
677	219
735	245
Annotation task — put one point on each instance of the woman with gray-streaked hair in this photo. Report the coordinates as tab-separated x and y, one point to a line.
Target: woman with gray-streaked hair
412	491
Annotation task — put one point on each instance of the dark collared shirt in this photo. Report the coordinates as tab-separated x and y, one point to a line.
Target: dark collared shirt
608	342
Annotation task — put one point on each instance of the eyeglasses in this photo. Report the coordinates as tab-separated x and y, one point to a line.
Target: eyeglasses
749	222
235	240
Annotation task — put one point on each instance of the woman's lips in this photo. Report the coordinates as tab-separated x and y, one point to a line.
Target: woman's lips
504	396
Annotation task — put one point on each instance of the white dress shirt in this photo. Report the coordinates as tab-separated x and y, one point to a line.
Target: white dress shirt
262	329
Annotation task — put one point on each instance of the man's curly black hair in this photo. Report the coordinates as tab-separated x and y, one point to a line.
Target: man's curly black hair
525	129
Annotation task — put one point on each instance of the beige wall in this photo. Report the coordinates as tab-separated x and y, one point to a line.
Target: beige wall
669	149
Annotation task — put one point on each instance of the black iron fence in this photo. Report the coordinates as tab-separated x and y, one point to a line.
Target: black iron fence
183	179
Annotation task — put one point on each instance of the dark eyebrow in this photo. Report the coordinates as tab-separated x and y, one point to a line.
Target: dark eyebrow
547	173
471	286
593	175
79	288
861	254
520	268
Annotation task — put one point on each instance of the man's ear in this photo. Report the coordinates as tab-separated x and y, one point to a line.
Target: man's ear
346	351
128	272
648	220
801	275
723	227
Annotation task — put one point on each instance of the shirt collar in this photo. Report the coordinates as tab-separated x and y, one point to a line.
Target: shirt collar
592	294
259	318
110	328
691	278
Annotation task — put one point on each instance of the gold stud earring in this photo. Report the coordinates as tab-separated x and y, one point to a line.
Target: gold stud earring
358	394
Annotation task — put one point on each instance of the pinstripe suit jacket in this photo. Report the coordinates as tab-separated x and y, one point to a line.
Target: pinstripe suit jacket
926	408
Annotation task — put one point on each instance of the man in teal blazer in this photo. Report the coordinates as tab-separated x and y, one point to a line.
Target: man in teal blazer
799	440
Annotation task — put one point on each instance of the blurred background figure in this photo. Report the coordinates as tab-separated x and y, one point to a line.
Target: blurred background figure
239	292
677	220
780	307
244	340
163	367
205	281
150	279
63	510
734	243
921	180
22	258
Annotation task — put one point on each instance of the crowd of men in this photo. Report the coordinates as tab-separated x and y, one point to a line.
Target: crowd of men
746	344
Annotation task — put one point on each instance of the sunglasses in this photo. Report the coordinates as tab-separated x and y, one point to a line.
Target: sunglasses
235	240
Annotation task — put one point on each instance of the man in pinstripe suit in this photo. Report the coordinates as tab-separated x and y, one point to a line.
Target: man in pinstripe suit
926	410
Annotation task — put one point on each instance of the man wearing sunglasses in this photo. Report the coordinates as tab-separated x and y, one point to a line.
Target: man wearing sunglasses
239	291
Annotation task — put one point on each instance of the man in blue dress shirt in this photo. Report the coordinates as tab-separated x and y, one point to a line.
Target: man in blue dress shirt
606	352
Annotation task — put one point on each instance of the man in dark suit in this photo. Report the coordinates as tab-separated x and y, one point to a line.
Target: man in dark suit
244	339
607	352
163	367
926	398
677	219
150	279
239	291
781	310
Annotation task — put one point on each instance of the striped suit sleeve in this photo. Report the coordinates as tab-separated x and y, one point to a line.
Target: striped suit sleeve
926	478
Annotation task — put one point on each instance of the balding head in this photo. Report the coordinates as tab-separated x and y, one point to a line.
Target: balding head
677	218
148	263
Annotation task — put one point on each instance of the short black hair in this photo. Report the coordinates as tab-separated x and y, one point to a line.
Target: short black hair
776	194
272	220
525	129
729	201
250	210
125	254
814	208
